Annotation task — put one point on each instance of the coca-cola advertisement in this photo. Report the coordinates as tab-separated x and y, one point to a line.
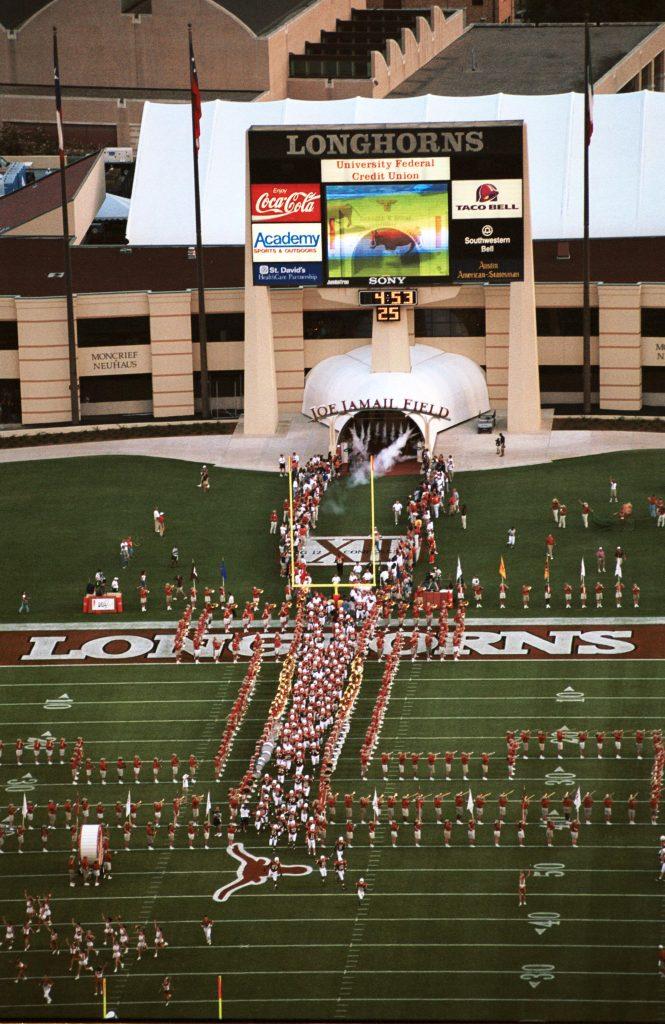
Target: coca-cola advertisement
283	204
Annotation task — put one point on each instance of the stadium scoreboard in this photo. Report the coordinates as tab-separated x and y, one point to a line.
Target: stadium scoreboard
386	207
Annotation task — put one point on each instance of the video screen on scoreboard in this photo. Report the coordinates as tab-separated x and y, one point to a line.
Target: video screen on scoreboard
386	229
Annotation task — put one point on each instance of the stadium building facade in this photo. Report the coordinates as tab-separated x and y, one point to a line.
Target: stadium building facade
136	305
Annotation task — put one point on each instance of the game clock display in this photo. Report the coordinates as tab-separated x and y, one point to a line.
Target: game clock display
388	297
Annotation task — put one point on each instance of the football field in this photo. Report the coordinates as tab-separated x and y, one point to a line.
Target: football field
439	935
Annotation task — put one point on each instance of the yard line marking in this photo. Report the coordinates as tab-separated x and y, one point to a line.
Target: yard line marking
170	624
521	697
121	682
410	871
505	659
134	700
117	721
200	949
365	999
377	895
341	970
399	920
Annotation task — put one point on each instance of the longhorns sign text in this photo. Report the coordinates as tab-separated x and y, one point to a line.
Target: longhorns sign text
407	405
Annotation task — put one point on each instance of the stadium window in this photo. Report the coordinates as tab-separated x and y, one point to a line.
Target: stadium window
227	391
221	327
126	387
563	250
10	401
8	334
354	323
136	6
450	323
653	380
562	378
564	322
113	330
653	323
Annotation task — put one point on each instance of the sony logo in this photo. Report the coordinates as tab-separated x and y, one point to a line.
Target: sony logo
386	280
383	143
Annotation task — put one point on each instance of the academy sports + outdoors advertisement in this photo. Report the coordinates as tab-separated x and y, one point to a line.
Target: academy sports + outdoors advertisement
367	206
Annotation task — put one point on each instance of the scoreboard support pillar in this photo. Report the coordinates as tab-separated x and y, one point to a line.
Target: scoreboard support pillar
391	346
523	376
261	406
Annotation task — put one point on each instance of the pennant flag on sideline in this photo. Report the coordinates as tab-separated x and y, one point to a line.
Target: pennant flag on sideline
582	570
502	568
469	802
458	574
128	805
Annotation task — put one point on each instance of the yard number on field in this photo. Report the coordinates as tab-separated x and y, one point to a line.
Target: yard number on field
553	870
570	696
544	919
25	784
535	973
61	703
569	736
559	777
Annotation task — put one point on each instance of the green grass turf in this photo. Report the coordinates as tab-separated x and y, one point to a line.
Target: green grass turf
56	545
521	497
52	547
440	935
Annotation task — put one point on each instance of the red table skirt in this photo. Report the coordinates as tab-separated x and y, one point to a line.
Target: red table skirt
436	599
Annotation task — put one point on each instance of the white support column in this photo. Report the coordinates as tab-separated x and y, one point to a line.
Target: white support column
260	417
523	377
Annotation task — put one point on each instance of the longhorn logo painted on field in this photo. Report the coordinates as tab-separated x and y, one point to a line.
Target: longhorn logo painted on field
252	871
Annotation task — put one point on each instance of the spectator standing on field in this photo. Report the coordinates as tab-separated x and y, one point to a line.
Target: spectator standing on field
25	602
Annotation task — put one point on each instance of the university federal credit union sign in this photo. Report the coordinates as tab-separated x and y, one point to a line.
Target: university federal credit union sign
351	205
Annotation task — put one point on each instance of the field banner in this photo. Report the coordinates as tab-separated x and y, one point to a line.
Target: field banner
69	646
326	550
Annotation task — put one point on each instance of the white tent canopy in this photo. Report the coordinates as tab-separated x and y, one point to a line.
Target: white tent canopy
438	380
627	159
113	208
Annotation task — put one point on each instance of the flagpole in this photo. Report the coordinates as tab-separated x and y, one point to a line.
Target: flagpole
200	281
586	253
71	328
